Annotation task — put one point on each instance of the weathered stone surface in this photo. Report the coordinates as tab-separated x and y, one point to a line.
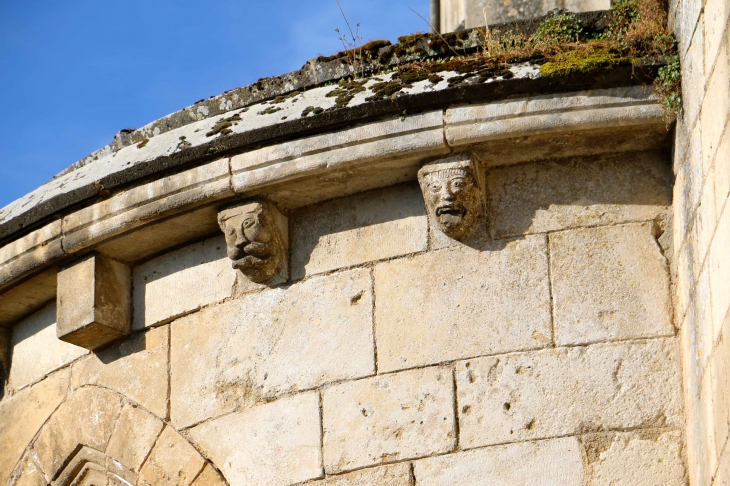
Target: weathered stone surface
94	302
36	350
390	475
582	191
419	134
650	457
257	240
181	281
23	414
264	344
86	418
30	252
565	391
30	475
365	227
209	477
172	461
457	303
609	283
719	267
27	297
453	189
389	418
134	435
555	462
270	445
136	206
585	110
136	368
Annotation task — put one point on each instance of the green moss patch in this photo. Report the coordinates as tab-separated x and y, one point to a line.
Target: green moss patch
571	64
224	126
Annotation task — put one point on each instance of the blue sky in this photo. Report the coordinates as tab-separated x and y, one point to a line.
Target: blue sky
73	73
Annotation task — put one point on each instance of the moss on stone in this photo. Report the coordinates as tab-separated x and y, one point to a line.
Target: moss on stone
224	126
571	64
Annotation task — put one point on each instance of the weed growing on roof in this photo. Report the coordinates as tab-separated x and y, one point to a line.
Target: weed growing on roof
636	33
563	27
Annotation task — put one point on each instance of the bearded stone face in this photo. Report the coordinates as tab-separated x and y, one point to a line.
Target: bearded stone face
254	240
453	197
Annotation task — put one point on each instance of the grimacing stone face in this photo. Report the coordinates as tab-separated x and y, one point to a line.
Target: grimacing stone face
452	195
253	240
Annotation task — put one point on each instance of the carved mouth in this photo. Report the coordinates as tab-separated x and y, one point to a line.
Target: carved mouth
260	250
449	211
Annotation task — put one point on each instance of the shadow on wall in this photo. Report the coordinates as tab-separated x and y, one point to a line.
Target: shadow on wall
579	191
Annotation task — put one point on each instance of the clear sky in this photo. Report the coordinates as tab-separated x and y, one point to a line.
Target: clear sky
75	72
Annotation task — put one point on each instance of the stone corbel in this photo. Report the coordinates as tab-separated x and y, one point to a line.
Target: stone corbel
257	240
453	189
93	302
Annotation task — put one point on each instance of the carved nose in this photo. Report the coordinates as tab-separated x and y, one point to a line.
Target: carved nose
240	238
447	195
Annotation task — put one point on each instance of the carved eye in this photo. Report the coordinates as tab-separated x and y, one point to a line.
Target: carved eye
458	183
248	222
434	188
230	231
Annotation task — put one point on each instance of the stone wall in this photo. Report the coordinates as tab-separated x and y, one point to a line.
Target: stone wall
702	232
460	14
541	350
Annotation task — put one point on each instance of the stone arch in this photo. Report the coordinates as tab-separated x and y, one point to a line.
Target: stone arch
97	437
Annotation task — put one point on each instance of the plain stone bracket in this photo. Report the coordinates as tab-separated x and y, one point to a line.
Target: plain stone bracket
94	301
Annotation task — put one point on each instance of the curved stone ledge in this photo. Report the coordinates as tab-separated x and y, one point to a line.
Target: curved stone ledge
137	223
190	145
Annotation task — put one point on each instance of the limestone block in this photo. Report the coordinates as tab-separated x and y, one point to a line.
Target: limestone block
585	110
134	207
26	298
23	414
30	252
275	444
181	281
136	368
418	134
4	359
357	229
716	14
209	477
566	391
86	418
134	435
609	283
641	458
30	475
172	461
388	418
94	302
716	104
264	344
693	75
719	267
35	349
554	462
706	218
582	191
460	302
390	475
722	173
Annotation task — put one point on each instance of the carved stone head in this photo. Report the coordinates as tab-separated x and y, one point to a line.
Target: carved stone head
256	238
452	191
